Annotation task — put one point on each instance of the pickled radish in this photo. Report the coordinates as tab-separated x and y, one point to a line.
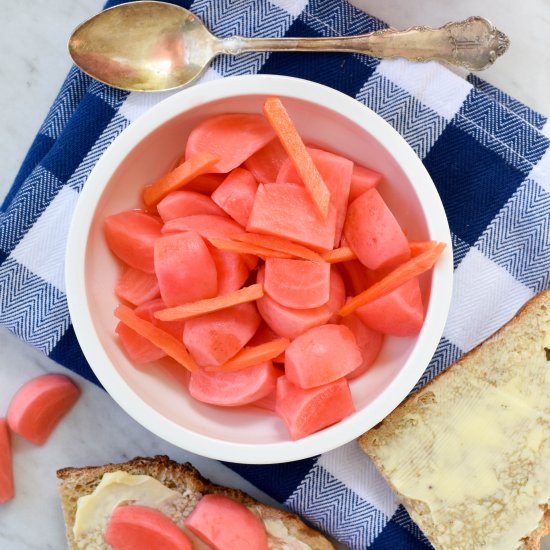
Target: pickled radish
355	276
289	322
398	313
136	286
362	179
337	295
235	196
300	284
135	527
231	137
372	232
308	411
205	183
7	491
368	341
39	405
336	172
232	269
180	204
214	338
206	225
266	163
226	524
322	355
232	388
285	210
185	269
131	237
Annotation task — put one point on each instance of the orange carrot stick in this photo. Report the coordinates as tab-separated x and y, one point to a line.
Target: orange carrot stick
247	248
248	357
406	271
279	244
291	141
178	177
166	342
342	254
416	247
208	305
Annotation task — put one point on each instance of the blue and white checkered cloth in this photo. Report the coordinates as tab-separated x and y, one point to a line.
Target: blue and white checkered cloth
488	155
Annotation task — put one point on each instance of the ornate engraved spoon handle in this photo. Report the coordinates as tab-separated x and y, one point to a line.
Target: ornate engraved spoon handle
473	43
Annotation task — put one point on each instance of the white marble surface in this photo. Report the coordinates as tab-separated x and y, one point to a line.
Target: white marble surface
33	63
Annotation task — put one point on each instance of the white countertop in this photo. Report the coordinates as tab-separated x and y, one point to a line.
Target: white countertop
33	64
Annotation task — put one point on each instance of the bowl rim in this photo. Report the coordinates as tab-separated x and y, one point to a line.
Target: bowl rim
75	261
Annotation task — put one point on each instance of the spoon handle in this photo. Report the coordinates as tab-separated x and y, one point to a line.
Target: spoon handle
473	43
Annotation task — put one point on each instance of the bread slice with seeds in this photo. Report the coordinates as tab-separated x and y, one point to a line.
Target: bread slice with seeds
285	530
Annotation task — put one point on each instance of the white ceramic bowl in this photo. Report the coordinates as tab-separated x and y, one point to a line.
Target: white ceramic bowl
157	397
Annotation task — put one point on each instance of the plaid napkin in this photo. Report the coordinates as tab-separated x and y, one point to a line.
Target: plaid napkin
487	154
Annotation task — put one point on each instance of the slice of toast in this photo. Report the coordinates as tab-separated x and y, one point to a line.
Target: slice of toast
186	480
469	454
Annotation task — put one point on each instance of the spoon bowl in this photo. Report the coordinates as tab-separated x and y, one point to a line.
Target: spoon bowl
143	46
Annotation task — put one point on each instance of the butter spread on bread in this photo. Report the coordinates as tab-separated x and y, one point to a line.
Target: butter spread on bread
469	454
90	494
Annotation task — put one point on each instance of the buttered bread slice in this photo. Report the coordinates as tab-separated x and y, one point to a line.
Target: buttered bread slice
89	495
469	454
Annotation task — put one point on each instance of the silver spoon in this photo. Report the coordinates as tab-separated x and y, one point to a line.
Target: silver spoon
153	46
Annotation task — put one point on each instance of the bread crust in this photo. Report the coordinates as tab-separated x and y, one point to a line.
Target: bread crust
539	303
77	482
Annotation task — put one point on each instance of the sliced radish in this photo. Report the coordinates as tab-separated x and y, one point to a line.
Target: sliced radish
40	404
206	225
308	411
235	195
134	527
214	338
373	233
185	269
266	163
179	204
362	179
289	322
322	355
226	524
398	313
298	284
231	268
336	172
231	389
136	286
368	340
286	210
232	137
337	295
205	183
7	491
131	237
